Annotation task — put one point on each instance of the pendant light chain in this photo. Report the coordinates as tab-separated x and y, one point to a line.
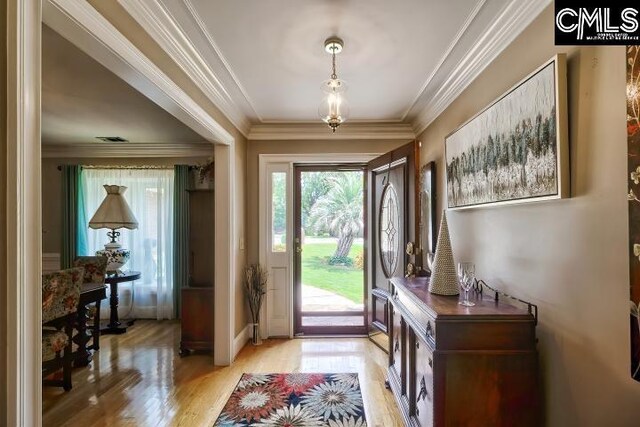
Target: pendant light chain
334	76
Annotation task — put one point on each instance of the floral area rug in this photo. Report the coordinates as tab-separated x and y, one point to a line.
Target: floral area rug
295	400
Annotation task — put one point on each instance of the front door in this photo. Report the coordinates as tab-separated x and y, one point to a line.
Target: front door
391	180
329	257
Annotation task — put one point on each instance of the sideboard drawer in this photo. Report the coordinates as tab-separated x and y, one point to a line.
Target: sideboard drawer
425	323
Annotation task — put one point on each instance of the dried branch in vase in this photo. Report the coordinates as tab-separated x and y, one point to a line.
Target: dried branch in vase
255	286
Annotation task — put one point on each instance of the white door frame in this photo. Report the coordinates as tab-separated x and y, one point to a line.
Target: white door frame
24	224
96	36
23	216
263	203
225	253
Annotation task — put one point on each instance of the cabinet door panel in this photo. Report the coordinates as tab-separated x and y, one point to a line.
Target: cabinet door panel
406	355
197	319
379	312
424	384
396	343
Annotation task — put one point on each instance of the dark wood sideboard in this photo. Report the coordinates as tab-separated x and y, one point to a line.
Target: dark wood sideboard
451	365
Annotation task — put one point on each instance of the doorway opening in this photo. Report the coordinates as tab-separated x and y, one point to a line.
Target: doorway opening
330	250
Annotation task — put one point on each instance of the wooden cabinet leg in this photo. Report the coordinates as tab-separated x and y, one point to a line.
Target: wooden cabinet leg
114	322
81	338
184	351
96	327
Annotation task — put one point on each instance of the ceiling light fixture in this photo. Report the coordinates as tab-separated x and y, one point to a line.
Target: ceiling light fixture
334	109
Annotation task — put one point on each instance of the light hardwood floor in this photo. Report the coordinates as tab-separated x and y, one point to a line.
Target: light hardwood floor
138	379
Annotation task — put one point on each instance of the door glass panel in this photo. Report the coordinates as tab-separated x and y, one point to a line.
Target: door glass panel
331	249
389	230
279	212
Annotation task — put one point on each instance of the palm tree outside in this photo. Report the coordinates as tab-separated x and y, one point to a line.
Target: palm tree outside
340	211
332	220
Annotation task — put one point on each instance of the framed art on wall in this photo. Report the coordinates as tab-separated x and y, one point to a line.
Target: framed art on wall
516	149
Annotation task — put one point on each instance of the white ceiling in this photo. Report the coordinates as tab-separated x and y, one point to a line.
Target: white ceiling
82	100
275	50
261	63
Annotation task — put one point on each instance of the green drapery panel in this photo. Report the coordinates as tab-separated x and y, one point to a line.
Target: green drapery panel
82	224
180	233
74	237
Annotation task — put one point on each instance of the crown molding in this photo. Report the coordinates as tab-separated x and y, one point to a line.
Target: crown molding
209	70
320	131
100	150
455	42
80	23
512	20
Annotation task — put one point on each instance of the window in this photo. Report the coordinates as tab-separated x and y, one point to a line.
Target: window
150	196
388	228
279	212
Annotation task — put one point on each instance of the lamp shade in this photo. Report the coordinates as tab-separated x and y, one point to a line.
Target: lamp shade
114	212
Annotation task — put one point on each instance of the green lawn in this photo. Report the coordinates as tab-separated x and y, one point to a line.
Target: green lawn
344	281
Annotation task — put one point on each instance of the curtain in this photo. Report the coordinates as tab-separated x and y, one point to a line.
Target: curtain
180	233
82	245
71	177
150	194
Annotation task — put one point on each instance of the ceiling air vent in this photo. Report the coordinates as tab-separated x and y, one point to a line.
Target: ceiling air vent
111	139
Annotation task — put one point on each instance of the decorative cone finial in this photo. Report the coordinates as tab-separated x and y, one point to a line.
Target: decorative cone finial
444	280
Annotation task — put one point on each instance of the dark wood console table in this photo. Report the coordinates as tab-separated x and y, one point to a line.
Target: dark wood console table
114	326
462	366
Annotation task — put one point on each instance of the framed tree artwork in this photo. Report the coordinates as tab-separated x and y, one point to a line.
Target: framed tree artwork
516	149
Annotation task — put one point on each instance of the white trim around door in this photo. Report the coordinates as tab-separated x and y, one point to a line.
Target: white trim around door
23	302
225	252
23	216
285	162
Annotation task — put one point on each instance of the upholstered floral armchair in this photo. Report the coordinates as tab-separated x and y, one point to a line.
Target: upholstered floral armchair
95	268
60	297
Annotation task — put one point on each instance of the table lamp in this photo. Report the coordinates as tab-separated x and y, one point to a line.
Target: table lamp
114	213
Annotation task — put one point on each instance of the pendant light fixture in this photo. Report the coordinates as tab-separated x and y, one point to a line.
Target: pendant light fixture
334	109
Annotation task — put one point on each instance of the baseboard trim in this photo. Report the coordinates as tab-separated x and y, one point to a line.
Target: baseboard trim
241	340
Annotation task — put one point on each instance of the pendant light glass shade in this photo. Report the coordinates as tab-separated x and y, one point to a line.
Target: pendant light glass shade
334	108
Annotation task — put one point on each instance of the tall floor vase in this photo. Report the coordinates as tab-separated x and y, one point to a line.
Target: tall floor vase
256	339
